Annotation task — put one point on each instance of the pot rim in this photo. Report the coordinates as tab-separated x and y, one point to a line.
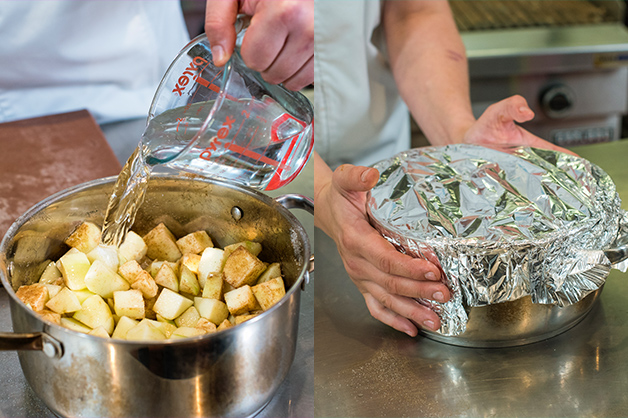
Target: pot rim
28	214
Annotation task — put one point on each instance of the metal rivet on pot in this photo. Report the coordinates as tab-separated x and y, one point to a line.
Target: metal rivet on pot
236	213
51	348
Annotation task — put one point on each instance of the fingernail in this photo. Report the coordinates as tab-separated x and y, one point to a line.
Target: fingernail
218	53
438	297
429	324
524	109
363	176
430	276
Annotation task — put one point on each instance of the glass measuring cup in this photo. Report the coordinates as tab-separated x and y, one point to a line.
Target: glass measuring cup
227	122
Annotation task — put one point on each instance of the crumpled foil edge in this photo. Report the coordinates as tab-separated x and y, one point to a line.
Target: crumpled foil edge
560	269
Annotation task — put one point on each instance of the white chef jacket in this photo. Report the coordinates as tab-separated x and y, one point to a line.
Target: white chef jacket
105	56
360	117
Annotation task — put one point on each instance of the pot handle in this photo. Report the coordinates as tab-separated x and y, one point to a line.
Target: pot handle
36	341
618	253
297	201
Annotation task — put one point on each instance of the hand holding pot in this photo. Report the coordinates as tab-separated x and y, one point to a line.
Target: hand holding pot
388	279
279	42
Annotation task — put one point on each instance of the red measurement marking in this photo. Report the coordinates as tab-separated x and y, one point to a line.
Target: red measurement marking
210	85
252	154
179	120
275	181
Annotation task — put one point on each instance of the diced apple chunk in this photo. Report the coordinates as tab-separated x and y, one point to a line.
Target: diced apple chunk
130	270
85	237
194	243
133	248
51	275
187	332
244	317
211	262
167	278
166	327
99	332
213	310
206	325
65	301
240	300
34	296
129	303
74	265
191	261
188	283
270	292
242	268
74	325
170	304
83	294
224	325
95	312
189	318
271	272
107	254
51	316
53	290
162	319
155	266
124	325
254	247
213	286
103	281
161	244
145	283
145	331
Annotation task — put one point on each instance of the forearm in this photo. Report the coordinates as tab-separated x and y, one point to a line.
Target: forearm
430	68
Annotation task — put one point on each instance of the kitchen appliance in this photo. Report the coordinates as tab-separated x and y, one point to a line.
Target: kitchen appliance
567	58
234	372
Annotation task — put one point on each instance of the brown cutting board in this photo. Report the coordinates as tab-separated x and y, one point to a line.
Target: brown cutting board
41	156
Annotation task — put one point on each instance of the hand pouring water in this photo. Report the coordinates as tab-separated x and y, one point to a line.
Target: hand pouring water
220	122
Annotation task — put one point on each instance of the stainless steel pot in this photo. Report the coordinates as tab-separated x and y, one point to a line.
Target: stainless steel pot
231	373
517	322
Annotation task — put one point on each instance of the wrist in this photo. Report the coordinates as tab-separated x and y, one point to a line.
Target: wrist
452	131
322	186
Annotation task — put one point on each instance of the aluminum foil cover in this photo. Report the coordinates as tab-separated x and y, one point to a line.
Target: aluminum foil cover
503	224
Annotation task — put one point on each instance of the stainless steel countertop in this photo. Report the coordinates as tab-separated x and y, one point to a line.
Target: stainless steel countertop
366	369
294	398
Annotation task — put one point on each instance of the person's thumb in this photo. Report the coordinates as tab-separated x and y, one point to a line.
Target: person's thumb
220	17
351	178
515	108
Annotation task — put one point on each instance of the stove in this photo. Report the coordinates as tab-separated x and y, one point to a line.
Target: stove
569	59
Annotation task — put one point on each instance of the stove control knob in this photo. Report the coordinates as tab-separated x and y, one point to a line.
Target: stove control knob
557	101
